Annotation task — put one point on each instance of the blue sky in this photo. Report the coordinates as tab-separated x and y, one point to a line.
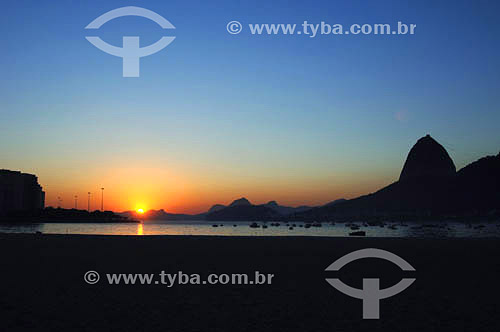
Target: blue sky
305	119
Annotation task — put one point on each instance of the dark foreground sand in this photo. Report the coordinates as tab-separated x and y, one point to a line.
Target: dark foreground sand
42	286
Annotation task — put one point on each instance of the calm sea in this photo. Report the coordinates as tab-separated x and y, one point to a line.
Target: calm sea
395	229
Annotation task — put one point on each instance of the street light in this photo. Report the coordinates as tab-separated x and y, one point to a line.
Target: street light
102	199
88	207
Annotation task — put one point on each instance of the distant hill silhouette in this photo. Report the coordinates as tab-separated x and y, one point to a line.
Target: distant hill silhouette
335	202
238	202
286	210
241	202
216	207
428	186
161	215
242	209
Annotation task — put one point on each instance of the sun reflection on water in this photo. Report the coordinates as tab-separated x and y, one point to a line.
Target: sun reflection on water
140	230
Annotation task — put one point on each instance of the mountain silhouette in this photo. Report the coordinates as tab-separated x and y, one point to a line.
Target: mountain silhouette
242	209
272	204
335	202
429	186
286	210
478	185
216	207
427	158
241	202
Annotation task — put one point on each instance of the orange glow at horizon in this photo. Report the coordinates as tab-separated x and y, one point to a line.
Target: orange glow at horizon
189	190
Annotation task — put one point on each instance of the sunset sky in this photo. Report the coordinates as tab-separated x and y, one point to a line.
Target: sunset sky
214	116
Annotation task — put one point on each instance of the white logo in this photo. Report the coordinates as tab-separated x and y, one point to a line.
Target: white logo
130	52
371	294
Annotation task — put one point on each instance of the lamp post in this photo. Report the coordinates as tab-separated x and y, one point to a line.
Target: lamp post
102	199
88	205
76	202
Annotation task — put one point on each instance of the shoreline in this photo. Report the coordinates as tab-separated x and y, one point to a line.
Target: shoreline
249	237
246	229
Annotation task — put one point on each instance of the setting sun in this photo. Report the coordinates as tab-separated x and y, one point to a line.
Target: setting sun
141	211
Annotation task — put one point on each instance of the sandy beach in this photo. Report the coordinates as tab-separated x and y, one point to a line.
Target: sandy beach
43	286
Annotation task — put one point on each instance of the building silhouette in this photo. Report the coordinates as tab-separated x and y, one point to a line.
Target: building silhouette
20	192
